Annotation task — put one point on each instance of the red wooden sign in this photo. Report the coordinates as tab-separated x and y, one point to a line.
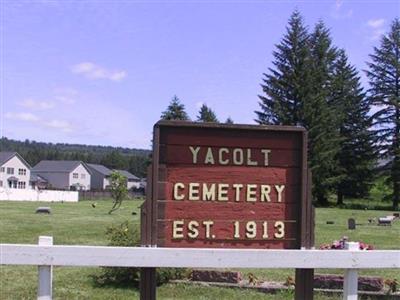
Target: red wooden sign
228	186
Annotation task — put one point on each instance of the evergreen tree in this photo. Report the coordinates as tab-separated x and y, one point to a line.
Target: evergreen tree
297	92
384	93
320	116
229	121
356	154
285	86
114	160
175	111
206	114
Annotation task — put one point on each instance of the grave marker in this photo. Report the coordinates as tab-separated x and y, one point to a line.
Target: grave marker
351	224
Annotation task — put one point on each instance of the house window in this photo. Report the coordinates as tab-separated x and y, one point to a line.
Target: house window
10	171
21	184
75	175
2	170
1	183
83	176
21	171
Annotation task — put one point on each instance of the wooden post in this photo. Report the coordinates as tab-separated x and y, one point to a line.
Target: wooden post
304	288
350	283
45	284
147	275
147	283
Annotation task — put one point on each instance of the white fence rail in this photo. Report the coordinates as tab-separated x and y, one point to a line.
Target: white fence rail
45	255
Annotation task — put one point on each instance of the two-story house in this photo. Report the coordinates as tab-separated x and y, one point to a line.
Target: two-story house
14	171
64	174
100	178
133	182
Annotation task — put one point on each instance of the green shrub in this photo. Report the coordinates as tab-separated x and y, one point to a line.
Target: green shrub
382	189
127	235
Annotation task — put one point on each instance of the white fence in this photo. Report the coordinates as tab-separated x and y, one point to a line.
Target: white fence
38	195
45	255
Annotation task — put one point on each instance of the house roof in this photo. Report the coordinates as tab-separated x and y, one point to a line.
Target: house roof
127	174
6	156
37	178
58	166
100	168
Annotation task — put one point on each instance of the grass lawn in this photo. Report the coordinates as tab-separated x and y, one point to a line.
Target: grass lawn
81	224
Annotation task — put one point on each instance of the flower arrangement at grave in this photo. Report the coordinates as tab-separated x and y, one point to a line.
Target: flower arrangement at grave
340	245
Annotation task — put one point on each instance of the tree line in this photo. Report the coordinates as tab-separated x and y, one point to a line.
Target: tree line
312	83
133	160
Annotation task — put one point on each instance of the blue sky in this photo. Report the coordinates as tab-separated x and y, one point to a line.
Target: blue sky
101	72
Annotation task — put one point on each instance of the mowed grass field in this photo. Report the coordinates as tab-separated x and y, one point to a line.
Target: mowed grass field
81	224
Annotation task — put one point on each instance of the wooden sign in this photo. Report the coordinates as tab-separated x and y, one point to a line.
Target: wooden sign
228	186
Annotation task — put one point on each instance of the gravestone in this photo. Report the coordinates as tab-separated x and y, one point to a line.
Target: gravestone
351	223
43	210
385	221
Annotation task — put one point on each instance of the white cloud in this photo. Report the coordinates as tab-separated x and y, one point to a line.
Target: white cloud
376	23
65	99
338	12
93	71
66	95
58	124
377	26
36	105
338	4
22	116
29	117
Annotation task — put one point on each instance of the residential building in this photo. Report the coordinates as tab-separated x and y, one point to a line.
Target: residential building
64	174
38	182
133	182
100	178
14	171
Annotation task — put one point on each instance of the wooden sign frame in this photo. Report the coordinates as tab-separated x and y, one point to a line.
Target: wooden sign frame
155	187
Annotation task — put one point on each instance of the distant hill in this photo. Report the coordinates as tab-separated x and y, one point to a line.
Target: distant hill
133	160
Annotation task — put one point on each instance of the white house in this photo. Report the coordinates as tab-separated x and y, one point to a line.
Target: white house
64	174
14	171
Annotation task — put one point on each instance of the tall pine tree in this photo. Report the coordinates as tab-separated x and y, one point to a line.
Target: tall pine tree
296	92
285	86
175	111
229	121
206	114
356	154
320	115
384	93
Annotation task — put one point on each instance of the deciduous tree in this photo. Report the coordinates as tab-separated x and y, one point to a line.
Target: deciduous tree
119	190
